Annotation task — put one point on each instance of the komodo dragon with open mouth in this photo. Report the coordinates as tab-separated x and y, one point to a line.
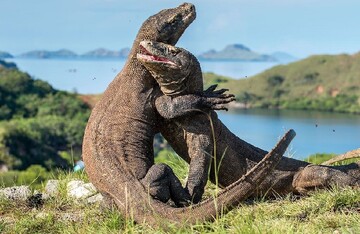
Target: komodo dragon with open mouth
177	71
117	145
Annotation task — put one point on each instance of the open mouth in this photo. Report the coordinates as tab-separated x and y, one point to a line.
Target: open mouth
144	54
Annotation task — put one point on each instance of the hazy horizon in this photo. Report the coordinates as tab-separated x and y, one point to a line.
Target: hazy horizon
298	28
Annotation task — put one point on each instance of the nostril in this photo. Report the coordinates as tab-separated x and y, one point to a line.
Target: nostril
188	5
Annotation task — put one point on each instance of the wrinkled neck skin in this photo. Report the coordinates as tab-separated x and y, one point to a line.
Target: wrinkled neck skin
176	83
175	69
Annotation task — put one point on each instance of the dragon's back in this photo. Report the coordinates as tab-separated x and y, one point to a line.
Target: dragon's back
120	130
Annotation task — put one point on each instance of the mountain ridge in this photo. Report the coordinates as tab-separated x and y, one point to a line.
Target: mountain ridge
233	52
236	52
46	54
105	53
68	54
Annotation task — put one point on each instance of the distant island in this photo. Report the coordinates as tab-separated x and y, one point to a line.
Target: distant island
283	57
104	53
4	55
44	54
236	52
68	54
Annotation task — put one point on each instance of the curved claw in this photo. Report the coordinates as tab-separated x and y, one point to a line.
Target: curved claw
211	88
220	91
226	96
219	103
211	92
219	107
223	100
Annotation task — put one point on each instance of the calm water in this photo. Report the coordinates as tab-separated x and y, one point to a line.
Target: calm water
93	76
84	76
317	132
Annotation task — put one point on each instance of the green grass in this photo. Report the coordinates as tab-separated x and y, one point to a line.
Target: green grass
323	211
320	158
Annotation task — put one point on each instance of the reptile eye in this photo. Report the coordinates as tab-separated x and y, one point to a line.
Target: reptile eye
174	52
174	20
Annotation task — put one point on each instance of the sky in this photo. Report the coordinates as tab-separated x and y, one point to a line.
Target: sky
298	27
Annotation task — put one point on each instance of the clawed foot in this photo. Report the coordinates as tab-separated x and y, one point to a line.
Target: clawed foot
216	99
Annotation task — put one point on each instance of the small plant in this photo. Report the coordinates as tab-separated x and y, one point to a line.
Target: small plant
275	80
34	176
318	158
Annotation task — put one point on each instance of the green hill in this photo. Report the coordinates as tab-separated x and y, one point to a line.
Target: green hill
321	82
38	124
4	64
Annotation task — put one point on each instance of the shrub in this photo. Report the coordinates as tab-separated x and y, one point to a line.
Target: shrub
39	140
38	122
275	80
35	175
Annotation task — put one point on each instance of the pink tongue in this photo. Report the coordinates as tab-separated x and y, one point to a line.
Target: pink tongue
159	59
153	57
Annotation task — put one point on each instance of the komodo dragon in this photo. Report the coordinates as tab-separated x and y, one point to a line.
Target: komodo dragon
177	75
117	146
177	71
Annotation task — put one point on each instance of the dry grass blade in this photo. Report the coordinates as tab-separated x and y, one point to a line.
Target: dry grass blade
348	155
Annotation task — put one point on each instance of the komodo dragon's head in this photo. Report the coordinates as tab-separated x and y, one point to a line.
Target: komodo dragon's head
169	24
176	70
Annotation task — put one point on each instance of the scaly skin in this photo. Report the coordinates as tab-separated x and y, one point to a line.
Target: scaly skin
177	71
117	146
175	78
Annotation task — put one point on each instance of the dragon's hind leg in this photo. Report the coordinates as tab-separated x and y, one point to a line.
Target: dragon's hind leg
162	184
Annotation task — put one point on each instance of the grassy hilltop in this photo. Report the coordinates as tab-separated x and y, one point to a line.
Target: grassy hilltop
321	82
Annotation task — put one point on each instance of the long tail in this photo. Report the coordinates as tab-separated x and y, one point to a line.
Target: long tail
133	200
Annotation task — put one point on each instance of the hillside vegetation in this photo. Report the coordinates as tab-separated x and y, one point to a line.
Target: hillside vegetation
38	124
322	82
